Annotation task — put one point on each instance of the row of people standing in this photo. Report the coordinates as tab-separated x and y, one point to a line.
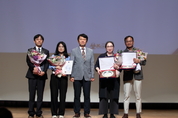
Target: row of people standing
82	76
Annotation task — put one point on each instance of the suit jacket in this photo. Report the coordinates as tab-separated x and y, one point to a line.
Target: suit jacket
82	68
129	74
44	66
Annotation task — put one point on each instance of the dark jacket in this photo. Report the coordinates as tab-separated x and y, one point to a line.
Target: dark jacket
111	85
44	64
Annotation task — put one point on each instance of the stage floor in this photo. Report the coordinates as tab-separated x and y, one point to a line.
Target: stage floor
22	113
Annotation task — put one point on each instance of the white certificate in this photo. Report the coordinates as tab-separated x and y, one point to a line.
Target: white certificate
67	68
127	59
106	63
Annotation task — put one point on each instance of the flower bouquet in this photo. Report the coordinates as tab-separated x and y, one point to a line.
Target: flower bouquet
57	61
118	61
118	58
140	55
36	57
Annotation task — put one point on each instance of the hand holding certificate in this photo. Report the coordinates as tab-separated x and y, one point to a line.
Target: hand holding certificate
67	68
127	60
106	67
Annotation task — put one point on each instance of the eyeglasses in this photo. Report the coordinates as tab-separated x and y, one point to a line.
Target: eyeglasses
60	46
109	46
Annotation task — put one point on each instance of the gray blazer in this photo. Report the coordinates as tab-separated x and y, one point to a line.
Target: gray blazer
82	68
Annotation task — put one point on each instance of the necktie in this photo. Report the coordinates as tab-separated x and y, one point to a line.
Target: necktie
39	50
83	53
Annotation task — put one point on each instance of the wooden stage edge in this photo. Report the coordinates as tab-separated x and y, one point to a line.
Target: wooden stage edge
146	113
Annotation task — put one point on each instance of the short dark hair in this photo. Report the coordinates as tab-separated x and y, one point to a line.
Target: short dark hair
5	113
65	49
109	42
38	35
82	35
128	37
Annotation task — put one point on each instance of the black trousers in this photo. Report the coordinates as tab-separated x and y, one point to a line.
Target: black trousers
35	85
104	106
108	103
78	84
58	86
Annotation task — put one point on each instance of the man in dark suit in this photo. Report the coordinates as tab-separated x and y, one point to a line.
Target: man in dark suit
36	79
133	80
82	74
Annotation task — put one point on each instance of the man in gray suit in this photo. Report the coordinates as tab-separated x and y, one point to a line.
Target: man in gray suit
130	82
82	74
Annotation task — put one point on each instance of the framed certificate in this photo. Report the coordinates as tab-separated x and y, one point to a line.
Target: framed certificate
67	68
127	60
106	67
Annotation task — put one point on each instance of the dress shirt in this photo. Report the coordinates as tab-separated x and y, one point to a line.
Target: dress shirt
82	50
37	49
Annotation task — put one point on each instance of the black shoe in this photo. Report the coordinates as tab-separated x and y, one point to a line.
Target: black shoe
77	115
39	116
87	116
105	116
125	116
112	116
138	115
30	116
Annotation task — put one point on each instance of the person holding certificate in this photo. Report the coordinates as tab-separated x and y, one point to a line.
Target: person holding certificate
58	85
129	82
108	87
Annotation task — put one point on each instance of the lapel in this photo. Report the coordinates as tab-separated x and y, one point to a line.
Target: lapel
79	52
87	53
42	50
126	50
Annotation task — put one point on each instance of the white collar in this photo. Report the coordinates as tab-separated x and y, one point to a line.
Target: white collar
38	48
82	47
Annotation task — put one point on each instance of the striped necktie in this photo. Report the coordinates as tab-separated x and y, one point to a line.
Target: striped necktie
83	53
